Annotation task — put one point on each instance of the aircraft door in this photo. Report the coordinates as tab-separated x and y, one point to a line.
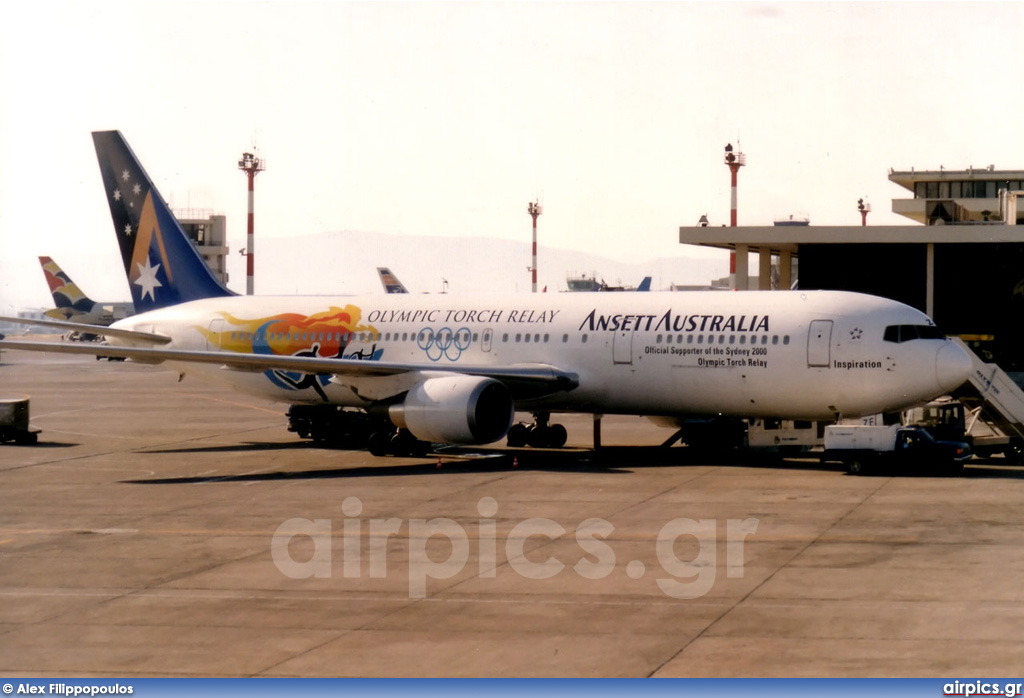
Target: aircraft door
622	347
819	344
213	337
485	339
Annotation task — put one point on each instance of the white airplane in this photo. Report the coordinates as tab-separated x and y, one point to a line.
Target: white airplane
450	369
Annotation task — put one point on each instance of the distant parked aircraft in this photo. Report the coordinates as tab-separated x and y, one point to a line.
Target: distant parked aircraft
73	305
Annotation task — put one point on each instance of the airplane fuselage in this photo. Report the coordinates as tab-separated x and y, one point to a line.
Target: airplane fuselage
805	355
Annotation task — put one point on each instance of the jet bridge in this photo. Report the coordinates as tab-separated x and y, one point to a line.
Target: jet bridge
996	407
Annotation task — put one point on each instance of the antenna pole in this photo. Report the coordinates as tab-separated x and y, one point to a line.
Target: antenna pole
865	209
735	161
251	166
534	209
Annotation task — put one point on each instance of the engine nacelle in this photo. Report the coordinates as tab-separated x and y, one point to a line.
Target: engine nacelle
456	410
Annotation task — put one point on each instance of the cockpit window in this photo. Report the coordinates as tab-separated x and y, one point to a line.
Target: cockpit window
906	333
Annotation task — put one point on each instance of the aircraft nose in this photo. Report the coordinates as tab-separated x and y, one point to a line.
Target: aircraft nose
952	366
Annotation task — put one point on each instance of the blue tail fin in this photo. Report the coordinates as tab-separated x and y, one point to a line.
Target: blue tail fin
645	285
163	267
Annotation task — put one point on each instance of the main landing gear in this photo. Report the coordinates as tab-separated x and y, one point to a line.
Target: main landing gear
397	442
331	424
353	429
540	434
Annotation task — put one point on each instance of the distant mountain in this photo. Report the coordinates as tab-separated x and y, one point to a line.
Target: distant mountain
346	263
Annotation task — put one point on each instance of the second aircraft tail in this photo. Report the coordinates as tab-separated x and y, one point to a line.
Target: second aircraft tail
68	298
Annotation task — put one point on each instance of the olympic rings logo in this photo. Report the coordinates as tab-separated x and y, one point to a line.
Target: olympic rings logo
444	343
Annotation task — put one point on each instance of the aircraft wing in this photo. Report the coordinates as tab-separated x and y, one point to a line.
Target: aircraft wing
91	329
525	380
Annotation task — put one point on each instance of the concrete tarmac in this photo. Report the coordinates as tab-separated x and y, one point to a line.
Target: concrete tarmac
147	534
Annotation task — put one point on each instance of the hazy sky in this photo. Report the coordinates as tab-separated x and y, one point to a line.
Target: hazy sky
447	118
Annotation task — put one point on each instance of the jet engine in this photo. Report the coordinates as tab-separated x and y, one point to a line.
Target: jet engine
456	409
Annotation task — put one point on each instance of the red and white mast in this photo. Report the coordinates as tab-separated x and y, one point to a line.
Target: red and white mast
251	166
534	209
735	161
865	209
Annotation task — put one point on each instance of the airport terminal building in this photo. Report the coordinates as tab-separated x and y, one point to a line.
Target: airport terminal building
964	266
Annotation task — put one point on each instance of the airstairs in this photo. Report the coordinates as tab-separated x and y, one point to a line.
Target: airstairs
995	405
